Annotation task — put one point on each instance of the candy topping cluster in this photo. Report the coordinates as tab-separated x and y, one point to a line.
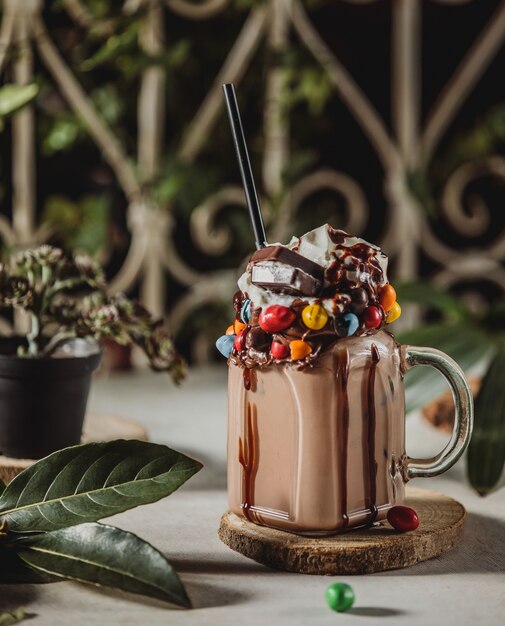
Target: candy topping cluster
297	300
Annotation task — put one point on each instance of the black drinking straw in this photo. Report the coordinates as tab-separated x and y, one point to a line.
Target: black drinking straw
245	166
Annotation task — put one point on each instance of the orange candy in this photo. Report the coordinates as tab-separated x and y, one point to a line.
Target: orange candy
299	349
230	330
238	326
387	297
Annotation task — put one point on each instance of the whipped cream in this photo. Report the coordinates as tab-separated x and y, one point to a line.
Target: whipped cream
347	261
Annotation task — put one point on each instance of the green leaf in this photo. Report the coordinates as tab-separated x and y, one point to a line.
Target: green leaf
2	486
464	342
88	482
15	570
486	453
113	47
430	296
13	617
104	556
14	97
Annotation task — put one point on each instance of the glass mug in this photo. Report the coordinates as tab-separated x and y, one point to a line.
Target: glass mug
320	450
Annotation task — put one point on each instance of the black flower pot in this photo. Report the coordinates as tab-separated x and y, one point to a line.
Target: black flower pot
43	401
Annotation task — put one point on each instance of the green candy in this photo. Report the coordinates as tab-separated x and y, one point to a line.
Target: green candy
340	597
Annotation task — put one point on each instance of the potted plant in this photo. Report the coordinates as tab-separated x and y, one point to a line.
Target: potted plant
45	375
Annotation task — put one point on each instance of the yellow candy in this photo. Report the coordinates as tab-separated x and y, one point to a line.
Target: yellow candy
314	316
394	313
299	349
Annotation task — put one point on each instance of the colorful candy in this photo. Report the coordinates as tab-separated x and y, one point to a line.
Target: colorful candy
238	326
253	327
403	518
279	350
394	313
340	597
299	349
359	300
225	344
346	325
372	317
314	316
276	318
258	339
245	311
239	341
387	297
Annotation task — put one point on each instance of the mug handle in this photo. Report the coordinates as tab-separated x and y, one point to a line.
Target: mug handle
463	401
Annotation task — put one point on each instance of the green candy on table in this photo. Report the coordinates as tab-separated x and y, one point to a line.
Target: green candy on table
340	597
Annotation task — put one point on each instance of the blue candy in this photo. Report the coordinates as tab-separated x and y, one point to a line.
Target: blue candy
224	344
347	325
245	311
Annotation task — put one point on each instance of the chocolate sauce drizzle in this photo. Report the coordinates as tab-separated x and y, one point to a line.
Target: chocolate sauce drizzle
248	457
369	438
249	376
343	429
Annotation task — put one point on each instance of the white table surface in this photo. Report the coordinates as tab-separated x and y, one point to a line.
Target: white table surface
464	587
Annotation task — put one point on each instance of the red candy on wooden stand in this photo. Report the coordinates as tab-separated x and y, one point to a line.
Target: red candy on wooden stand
403	518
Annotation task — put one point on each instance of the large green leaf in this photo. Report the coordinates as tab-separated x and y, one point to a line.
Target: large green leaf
104	556
486	453
464	342
15	570
2	486
88	482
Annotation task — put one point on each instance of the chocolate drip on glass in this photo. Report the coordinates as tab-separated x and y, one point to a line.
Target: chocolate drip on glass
248	456
343	429
369	437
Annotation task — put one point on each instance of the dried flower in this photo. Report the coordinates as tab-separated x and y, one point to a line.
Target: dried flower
67	298
45	255
90	271
15	291
163	356
105	321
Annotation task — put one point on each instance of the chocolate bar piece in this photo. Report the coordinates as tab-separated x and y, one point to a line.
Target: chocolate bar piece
282	270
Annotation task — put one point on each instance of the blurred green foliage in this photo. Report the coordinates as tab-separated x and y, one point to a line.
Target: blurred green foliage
80	198
15	97
82	225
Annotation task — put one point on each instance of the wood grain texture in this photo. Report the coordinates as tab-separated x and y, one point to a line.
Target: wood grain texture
96	428
356	552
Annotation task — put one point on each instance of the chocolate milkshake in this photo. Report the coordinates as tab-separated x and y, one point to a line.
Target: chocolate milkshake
318	449
316	407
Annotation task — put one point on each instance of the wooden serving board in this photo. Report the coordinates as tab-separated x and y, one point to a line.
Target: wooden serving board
96	428
355	552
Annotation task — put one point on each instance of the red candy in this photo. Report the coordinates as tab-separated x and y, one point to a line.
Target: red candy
276	318
279	350
239	341
403	518
372	317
